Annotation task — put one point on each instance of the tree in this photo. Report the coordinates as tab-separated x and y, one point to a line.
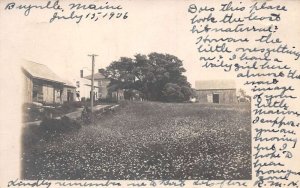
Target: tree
172	93
241	92
242	96
155	76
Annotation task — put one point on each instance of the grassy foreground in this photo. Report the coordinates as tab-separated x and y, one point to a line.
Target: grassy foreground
148	140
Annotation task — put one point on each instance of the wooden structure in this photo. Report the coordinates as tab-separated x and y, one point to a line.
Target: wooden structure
42	85
103	88
69	92
216	91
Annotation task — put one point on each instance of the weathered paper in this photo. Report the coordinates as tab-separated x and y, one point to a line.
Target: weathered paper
256	43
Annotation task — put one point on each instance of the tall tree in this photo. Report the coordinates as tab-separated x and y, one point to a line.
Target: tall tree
155	76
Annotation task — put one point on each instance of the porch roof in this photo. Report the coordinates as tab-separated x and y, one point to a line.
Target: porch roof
40	71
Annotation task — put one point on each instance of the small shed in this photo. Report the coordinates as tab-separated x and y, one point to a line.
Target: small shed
69	92
216	91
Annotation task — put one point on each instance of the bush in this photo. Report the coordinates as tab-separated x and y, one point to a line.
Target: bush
70	106
58	126
106	100
175	93
32	112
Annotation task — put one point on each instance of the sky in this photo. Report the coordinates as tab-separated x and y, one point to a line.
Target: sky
152	26
64	45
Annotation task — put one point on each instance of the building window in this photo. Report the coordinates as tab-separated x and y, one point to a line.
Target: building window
209	98
37	93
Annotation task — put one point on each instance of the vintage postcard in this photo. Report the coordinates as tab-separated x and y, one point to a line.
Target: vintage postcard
192	93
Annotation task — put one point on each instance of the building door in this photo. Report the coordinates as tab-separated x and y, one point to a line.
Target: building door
57	96
48	94
216	98
70	96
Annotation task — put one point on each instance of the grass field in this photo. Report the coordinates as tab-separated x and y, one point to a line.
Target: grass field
148	140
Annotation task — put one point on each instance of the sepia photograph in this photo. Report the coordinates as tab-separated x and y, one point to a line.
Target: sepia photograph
114	95
149	93
136	119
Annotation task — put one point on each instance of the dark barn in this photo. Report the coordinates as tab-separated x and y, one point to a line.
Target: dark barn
216	91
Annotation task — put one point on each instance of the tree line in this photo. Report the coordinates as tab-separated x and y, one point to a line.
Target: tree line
154	77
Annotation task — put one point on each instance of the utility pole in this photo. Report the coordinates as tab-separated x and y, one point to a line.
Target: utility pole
92	85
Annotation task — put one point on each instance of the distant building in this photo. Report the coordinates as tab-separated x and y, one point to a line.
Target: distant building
69	92
216	91
83	87
42	85
101	87
117	95
101	84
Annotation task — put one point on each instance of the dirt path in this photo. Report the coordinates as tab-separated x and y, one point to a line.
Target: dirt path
73	115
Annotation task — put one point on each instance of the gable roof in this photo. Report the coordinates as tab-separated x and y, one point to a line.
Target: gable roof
68	83
214	84
40	71
97	76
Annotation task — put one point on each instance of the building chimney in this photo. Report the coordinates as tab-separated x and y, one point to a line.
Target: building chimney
81	73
